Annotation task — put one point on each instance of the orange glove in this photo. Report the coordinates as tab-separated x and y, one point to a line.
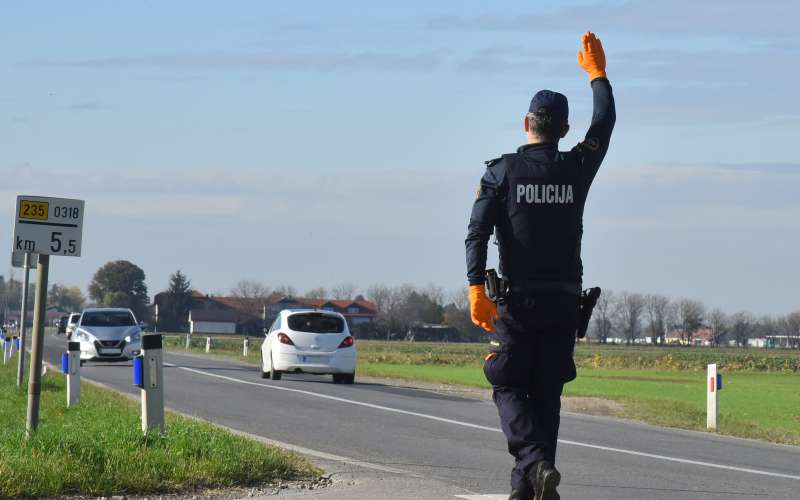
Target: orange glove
482	309
592	59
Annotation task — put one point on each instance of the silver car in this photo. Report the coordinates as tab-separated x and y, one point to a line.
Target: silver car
108	334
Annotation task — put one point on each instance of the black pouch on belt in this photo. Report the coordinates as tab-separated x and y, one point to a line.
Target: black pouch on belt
588	301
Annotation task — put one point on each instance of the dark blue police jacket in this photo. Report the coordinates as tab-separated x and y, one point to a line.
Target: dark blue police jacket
535	198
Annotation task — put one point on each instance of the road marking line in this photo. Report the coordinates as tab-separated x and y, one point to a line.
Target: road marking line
483	497
491	429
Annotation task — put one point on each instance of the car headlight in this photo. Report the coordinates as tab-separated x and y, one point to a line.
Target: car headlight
83	336
134	337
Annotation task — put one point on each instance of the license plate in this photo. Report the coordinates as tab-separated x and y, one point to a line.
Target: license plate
110	351
314	359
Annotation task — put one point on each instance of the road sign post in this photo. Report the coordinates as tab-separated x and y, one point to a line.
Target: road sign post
35	377
23	316
45	226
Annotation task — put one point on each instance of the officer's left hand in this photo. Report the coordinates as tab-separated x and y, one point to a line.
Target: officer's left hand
482	309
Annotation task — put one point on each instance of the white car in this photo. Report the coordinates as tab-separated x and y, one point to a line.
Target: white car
72	322
309	341
108	334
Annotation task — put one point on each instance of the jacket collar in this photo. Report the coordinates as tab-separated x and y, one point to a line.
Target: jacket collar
539	146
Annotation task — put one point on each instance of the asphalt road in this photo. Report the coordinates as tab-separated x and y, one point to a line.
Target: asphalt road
419	444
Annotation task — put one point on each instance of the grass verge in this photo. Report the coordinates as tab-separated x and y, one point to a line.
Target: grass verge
662	386
98	449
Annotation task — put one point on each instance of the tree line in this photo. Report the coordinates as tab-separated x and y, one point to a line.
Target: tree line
633	316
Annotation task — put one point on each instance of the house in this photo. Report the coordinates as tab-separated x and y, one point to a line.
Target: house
215	321
424	332
252	315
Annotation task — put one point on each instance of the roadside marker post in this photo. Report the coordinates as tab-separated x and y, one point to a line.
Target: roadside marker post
44	226
208	344
151	378
23	311
73	372
188	341
6	350
714	386
245	346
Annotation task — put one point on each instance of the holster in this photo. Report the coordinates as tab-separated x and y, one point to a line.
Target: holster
587	302
496	287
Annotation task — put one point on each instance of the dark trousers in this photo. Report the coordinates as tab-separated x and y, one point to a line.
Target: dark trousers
528	372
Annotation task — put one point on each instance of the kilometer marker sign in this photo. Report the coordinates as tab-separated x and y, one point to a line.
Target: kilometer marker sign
48	226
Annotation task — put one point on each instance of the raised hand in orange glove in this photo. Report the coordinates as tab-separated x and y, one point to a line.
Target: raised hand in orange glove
482	309
592	58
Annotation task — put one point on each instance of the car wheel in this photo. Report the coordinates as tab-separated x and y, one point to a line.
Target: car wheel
337	378
349	378
274	374
83	362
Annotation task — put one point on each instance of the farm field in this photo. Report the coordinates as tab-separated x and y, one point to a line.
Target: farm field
98	449
663	386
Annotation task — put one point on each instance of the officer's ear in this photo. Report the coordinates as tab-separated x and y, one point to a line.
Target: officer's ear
564	130
526	124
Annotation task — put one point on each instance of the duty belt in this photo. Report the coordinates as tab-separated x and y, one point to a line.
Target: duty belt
532	286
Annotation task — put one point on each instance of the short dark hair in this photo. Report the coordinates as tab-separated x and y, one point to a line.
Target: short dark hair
543	124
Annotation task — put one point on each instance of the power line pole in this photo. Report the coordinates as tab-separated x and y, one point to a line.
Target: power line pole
23	320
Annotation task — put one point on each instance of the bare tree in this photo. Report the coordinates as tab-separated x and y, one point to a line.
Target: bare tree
250	289
286	290
718	323
603	316
629	313
344	291
657	308
317	293
690	318
742	327
793	329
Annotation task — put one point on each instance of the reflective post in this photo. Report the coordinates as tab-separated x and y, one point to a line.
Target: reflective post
712	410
245	346
73	373
23	319
152	380
6	349
188	340
35	378
208	344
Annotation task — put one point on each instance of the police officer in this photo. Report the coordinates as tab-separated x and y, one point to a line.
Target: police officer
533	201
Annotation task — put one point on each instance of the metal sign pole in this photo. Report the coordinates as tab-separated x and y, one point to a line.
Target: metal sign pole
23	321
35	377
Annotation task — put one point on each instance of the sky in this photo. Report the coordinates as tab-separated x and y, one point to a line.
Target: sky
314	143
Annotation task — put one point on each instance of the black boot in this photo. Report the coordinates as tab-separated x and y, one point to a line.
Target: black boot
544	478
522	492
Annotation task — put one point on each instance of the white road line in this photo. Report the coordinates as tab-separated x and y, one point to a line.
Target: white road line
491	429
483	497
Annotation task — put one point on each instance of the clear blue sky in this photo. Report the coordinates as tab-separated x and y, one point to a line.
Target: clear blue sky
312	143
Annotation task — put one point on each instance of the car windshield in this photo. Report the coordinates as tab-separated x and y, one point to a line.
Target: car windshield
107	318
75	318
316	323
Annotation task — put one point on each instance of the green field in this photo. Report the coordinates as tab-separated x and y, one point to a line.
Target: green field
660	385
98	449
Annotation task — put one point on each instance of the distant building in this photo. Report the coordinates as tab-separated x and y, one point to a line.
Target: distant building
251	316
219	321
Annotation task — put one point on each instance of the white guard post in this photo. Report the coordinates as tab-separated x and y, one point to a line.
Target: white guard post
73	373
6	349
188	340
245	346
208	344
14	341
152	384
712	388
